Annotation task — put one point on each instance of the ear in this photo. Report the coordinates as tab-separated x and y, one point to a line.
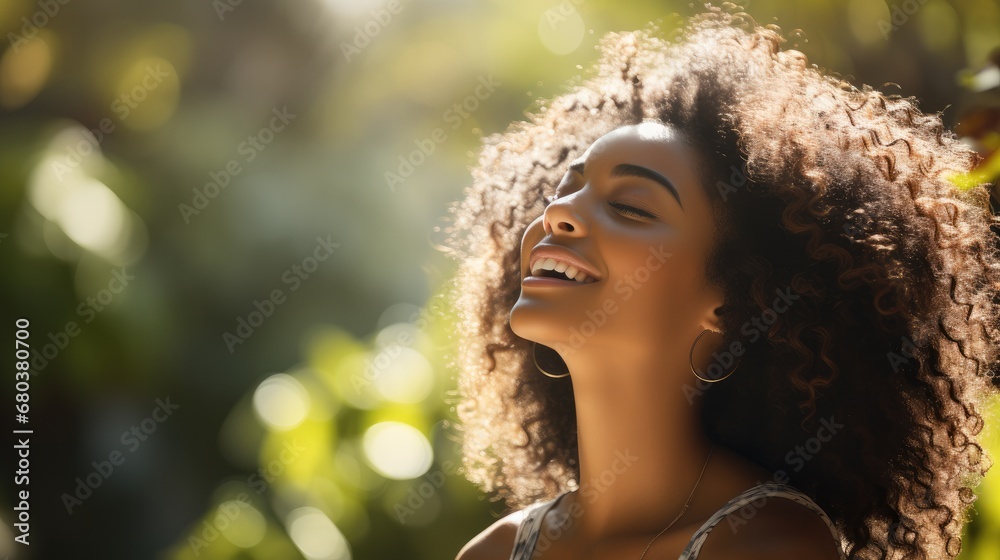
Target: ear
715	303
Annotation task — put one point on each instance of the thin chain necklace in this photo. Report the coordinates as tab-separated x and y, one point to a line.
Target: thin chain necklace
686	504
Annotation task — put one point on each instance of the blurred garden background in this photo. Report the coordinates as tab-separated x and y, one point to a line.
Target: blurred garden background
221	217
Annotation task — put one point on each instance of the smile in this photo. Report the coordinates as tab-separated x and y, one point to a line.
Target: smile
540	281
556	267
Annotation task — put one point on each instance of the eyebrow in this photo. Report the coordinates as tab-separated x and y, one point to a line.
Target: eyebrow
632	170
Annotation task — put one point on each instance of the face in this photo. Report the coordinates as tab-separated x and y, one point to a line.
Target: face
631	221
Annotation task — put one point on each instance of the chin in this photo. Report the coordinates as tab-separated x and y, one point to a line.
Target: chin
538	323
522	320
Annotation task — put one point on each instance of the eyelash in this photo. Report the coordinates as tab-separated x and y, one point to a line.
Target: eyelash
631	210
622	208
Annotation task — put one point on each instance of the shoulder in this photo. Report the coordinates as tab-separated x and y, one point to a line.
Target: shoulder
496	542
772	528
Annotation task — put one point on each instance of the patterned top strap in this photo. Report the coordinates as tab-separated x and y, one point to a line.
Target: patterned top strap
530	527
530	524
746	498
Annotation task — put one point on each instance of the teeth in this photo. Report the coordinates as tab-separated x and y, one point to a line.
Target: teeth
571	272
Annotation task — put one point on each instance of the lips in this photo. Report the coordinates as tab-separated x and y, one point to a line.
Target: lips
565	261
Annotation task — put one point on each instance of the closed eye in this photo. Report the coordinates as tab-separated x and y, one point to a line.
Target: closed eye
624	209
631	210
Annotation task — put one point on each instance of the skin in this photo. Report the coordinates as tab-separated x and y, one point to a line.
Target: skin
630	369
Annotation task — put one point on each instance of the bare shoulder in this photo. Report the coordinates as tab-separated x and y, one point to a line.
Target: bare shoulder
775	529
496	542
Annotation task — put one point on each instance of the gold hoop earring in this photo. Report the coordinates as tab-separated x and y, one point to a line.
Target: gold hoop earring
547	374
691	362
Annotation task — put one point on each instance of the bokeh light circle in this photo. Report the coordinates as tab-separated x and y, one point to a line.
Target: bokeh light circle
316	535
398	451
281	402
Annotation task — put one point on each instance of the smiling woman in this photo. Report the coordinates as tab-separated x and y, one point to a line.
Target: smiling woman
719	254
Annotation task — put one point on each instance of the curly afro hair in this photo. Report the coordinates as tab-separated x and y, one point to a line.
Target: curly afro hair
839	193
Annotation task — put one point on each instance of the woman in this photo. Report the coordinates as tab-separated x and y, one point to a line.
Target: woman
749	315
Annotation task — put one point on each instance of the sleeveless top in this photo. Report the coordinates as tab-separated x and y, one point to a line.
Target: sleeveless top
531	520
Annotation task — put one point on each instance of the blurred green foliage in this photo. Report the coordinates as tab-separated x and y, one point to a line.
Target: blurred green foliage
325	429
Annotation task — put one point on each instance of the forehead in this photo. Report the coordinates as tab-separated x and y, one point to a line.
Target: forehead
649	141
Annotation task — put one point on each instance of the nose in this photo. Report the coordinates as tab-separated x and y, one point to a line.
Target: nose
562	216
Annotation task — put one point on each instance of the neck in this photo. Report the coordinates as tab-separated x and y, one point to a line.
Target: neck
641	447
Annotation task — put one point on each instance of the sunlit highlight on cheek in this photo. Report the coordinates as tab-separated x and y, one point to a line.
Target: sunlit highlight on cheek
533	234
